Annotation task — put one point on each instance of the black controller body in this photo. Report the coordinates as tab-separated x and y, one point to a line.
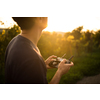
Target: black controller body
57	61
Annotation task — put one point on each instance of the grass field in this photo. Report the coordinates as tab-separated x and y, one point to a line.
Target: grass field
85	65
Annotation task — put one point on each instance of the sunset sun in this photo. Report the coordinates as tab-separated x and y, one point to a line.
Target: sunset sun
68	23
62	24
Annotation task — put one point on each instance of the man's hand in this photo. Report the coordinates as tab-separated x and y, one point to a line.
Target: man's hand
48	60
64	68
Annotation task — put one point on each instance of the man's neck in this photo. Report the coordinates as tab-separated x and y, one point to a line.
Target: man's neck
33	35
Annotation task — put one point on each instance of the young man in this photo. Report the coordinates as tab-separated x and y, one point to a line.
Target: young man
23	61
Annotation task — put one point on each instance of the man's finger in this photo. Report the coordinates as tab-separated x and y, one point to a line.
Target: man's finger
64	60
53	56
71	64
53	59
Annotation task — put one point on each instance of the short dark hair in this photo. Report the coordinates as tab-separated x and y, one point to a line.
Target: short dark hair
25	23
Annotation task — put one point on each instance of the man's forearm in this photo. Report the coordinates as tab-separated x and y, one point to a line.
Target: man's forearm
56	78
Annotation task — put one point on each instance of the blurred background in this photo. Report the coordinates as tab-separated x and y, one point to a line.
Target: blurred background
73	28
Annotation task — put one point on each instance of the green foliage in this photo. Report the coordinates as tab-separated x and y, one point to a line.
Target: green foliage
77	32
97	38
5	38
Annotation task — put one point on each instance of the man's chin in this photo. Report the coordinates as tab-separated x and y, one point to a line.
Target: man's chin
43	27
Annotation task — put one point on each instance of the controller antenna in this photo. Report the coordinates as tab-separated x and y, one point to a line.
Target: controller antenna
63	55
70	58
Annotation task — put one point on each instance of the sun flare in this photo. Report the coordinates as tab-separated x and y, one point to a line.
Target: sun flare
8	22
62	24
65	24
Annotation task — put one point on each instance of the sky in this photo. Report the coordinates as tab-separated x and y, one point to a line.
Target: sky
65	15
69	23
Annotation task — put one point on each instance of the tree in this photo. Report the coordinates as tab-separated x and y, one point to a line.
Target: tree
77	32
5	38
67	34
97	37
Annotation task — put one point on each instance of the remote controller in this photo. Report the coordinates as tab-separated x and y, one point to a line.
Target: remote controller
58	60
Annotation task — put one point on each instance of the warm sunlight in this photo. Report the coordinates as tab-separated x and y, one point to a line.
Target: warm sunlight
63	24
8	22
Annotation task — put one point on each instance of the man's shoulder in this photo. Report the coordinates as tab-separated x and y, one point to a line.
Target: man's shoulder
20	48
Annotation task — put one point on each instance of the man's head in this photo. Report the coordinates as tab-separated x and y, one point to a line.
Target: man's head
26	23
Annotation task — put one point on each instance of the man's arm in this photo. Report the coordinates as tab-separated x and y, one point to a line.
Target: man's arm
62	69
56	78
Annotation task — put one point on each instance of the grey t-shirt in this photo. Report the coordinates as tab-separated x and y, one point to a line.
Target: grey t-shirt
24	63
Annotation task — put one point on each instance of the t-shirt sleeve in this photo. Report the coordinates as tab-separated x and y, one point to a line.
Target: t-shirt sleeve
31	72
